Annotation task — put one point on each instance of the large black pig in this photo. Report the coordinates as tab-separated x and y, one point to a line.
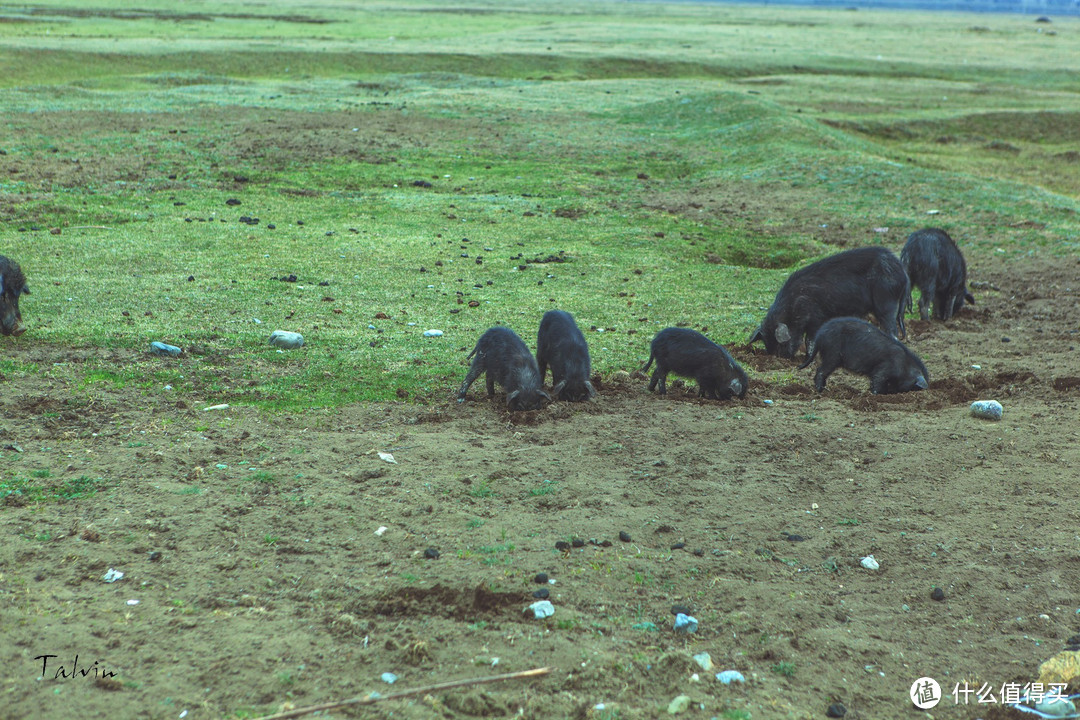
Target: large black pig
505	358
936	266
12	285
560	345
859	282
690	354
858	346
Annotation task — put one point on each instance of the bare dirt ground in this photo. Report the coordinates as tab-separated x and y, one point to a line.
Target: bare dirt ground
257	575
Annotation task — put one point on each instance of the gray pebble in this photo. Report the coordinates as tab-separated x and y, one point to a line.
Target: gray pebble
986	409
285	339
160	348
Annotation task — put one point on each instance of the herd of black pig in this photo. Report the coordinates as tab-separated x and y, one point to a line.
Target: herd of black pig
823	305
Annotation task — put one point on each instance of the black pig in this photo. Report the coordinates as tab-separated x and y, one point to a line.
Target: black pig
863	281
690	354
560	344
858	346
505	358
12	285
935	265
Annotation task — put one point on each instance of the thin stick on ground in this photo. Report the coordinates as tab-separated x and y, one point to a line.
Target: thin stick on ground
371	700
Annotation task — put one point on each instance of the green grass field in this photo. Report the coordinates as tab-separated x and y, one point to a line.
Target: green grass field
640	165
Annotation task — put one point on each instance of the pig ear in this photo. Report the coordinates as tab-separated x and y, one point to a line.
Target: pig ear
920	382
970	298
590	388
736	386
558	388
758	335
26	291
545	395
511	396
782	333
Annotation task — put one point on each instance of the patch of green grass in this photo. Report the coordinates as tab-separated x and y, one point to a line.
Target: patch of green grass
785	668
545	488
190	490
496	554
678	185
270	540
262	476
736	714
847	521
481	490
19	490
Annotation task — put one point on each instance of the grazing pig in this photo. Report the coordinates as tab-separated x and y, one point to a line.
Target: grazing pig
935	265
12	285
858	346
560	344
505	358
690	354
868	280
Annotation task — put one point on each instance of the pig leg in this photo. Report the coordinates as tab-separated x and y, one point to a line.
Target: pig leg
891	319
475	370
829	363
490	385
543	371
659	375
927	294
879	382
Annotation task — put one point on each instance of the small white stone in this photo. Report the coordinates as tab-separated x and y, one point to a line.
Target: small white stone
112	575
685	623
389	678
729	676
541	609
870	563
986	409
285	339
382	529
433	333
704	660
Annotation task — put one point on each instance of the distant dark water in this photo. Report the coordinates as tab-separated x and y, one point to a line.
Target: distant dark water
1049	8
